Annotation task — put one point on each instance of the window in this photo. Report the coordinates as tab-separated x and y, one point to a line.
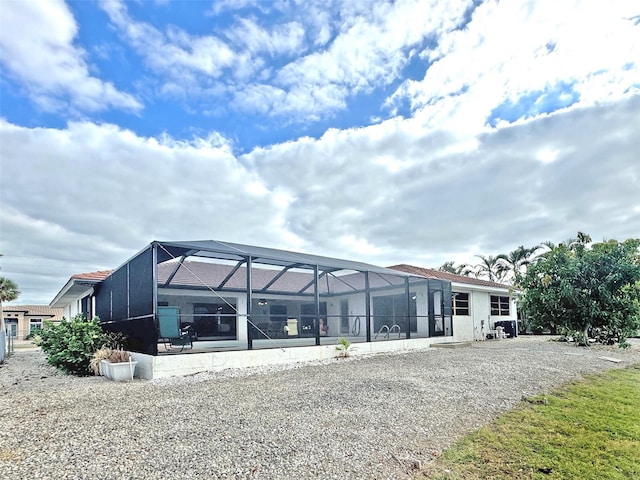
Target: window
12	326
460	303
499	305
392	310
215	321
35	323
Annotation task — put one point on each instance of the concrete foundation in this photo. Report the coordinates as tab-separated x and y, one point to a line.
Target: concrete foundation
151	367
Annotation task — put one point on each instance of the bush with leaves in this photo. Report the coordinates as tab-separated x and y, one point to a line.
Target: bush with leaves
70	344
577	288
34	333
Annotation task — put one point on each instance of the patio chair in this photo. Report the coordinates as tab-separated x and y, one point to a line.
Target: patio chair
170	331
291	328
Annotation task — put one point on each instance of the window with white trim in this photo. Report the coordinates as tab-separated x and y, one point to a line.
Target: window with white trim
460	303
500	305
35	323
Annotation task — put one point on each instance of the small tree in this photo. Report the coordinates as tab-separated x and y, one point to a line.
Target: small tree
576	288
70	344
8	293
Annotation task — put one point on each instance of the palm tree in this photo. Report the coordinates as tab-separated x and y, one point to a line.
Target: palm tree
491	267
8	292
514	261
549	244
573	243
451	267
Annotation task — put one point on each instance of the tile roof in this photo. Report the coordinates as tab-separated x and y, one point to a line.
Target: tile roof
94	276
452	277
35	310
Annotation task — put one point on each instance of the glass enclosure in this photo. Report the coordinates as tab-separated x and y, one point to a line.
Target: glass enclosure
228	296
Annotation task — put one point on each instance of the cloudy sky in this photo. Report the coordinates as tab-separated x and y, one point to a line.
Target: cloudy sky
380	131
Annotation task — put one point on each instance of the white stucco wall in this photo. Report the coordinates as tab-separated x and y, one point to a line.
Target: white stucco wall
463	328
480	313
480	321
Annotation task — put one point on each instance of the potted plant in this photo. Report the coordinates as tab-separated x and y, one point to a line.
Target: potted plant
113	363
98	360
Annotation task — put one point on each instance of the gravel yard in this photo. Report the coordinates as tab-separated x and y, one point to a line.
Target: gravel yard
358	418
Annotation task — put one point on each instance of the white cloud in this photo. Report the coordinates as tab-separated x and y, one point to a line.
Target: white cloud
493	195
106	193
358	48
174	52
89	196
511	49
441	185
37	50
283	39
547	155
369	51
220	6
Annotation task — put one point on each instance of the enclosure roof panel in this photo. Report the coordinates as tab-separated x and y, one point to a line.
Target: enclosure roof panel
271	256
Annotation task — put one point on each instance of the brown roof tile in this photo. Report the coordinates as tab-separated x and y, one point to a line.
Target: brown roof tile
452	277
95	276
36	310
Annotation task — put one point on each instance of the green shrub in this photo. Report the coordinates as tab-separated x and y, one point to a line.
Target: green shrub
33	333
70	344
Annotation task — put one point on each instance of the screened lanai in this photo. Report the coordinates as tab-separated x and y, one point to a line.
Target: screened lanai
228	296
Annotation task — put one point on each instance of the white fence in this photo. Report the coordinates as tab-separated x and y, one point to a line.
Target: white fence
6	346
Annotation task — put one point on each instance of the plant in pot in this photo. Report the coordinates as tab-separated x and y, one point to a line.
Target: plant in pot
113	363
98	360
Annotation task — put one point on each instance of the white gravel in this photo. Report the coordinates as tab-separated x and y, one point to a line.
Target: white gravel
371	417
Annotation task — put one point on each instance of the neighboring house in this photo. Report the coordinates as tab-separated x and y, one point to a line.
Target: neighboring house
77	296
21	320
238	297
477	304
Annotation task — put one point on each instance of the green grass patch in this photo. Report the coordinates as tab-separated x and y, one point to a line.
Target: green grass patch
587	430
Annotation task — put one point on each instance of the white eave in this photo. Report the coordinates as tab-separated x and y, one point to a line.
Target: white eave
481	288
74	289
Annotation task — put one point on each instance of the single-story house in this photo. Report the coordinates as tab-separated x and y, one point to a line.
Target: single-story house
216	300
21	320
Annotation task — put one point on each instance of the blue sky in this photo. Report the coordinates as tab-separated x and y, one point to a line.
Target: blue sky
383	131
269	38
